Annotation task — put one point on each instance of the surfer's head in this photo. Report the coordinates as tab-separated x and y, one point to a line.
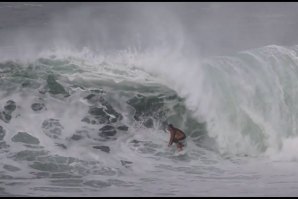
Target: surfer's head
170	126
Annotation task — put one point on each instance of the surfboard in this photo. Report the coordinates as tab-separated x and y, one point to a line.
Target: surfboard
180	153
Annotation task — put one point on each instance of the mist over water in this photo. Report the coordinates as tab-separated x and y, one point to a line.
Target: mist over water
86	91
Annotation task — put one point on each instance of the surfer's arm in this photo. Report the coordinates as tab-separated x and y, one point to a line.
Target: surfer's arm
171	139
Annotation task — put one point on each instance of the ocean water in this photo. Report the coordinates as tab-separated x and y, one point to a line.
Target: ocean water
91	120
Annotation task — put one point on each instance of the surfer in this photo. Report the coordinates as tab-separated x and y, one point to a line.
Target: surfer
177	136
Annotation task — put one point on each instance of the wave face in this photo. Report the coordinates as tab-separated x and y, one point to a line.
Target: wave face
252	99
68	121
64	119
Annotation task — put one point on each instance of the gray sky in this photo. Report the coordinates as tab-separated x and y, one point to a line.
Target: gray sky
213	28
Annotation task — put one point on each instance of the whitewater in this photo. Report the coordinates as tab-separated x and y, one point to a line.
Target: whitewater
92	121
